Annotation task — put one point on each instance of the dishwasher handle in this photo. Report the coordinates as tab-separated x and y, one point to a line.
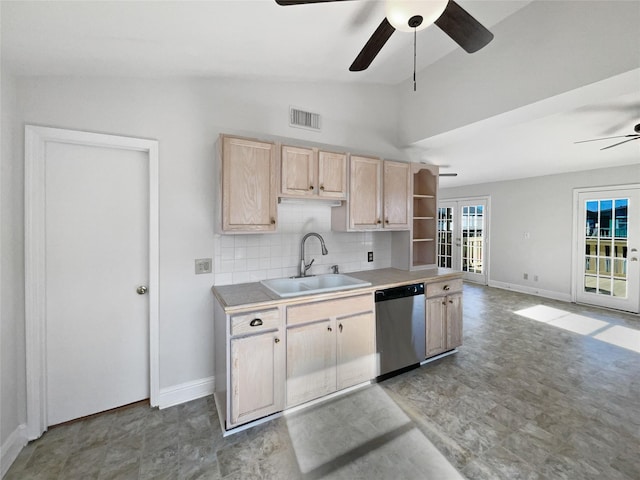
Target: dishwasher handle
399	292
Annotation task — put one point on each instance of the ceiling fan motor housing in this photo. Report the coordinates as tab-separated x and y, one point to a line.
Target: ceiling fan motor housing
403	14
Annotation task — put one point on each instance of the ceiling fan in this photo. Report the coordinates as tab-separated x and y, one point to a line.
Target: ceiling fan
411	16
629	138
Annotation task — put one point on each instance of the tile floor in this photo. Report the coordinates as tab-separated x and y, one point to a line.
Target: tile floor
525	397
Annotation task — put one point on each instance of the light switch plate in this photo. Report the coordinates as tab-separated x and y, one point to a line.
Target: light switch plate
203	265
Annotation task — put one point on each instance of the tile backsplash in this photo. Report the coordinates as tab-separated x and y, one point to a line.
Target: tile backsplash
255	257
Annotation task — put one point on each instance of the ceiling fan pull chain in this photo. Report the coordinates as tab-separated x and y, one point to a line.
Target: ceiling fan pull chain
414	58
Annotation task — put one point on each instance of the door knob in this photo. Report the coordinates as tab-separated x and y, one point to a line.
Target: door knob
142	289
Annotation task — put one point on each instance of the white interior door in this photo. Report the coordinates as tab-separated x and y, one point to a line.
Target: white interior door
463	237
608	243
96	250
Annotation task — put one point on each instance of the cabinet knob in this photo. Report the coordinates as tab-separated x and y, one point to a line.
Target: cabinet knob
273	221
322	187
444	302
329	329
386	221
450	301
446	288
310	187
379	222
256	322
276	340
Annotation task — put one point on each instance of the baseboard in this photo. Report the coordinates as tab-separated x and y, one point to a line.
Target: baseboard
531	291
12	447
186	392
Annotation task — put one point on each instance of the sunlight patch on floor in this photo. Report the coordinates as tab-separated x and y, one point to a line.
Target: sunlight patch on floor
617	335
541	313
364	434
621	336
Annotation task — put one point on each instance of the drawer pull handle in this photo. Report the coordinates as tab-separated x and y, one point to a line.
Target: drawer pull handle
329	329
340	328
277	340
256	322
446	288
450	301
444	303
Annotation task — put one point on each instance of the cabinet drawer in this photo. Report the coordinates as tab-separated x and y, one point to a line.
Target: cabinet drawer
444	288
314	311
262	320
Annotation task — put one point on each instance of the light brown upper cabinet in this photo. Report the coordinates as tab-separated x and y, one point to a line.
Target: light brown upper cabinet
249	186
365	193
396	195
379	196
310	173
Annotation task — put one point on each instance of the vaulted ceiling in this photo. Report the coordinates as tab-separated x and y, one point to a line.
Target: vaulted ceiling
557	71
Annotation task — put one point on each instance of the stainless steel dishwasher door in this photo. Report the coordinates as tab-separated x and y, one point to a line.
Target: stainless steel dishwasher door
400	328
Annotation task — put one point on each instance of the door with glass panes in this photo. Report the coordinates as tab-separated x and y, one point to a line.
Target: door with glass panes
608	239
462	237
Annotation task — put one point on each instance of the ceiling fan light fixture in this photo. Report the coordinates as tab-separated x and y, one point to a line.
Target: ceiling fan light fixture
399	12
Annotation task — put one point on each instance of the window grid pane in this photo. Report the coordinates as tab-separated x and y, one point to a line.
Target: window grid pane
606	247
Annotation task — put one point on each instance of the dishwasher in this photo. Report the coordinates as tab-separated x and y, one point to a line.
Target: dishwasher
400	329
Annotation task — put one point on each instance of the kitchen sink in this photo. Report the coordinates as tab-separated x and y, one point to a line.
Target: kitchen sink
330	282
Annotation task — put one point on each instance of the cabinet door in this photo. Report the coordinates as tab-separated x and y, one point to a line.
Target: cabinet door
436	325
332	175
396	195
257	376
365	188
249	196
297	174
355	350
311	361
454	321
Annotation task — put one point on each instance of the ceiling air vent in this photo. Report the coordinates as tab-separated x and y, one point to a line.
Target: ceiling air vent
302	119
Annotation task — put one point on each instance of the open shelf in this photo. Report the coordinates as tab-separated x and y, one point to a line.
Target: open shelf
425	209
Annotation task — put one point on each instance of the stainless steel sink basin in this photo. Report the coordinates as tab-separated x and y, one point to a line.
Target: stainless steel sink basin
291	287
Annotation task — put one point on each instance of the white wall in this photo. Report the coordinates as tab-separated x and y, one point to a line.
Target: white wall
12	345
559	46
186	117
542	206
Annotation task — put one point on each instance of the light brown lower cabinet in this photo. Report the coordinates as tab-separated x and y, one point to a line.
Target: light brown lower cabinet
444	323
257	376
330	346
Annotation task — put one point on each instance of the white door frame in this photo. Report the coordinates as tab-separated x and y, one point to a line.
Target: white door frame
36	139
487	228
576	255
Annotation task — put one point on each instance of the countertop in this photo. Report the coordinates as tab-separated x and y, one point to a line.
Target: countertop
244	296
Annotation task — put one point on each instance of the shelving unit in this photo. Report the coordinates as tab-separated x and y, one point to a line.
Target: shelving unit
425	205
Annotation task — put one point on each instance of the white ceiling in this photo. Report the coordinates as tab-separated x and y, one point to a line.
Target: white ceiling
259	39
246	38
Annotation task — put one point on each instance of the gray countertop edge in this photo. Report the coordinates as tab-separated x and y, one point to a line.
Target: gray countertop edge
249	296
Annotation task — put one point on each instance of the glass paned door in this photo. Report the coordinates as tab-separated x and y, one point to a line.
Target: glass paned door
608	266
445	236
462	237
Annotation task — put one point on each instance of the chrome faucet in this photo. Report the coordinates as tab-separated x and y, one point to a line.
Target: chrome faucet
306	266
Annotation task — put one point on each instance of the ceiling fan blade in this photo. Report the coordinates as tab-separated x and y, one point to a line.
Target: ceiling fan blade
286	3
373	46
606	138
636	137
463	29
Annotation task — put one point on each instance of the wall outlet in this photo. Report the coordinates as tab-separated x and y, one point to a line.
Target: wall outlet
203	265
370	257
525	276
